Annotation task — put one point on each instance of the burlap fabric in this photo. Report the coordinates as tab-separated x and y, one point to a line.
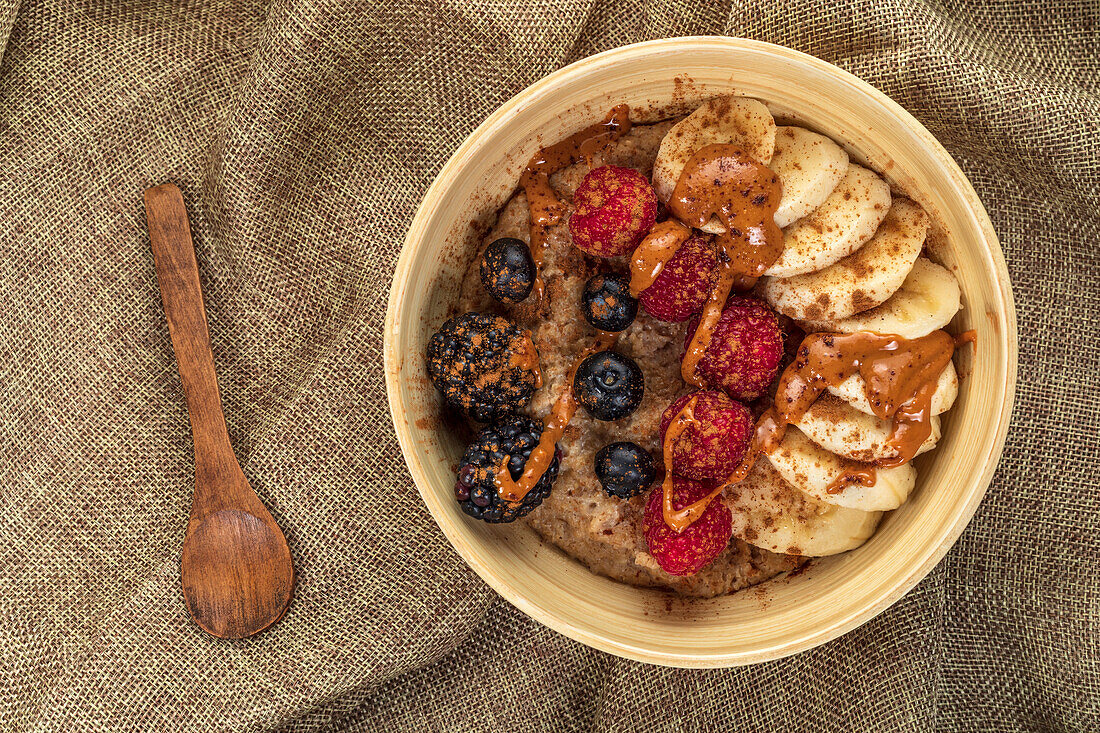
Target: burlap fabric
303	134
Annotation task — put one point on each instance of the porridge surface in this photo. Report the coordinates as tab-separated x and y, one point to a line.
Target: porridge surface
603	532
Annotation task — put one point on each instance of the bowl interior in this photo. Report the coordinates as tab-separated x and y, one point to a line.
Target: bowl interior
835	594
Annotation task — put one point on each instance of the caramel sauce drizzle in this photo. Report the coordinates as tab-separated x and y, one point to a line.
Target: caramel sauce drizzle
900	376
556	423
722	181
653	252
546	209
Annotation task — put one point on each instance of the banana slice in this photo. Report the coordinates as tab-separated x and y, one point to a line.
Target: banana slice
843	222
842	429
811	469
861	280
809	166
853	391
770	513
927	300
727	120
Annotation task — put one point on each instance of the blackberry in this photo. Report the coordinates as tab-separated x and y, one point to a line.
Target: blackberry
624	469
482	365
508	270
609	385
515	437
607	302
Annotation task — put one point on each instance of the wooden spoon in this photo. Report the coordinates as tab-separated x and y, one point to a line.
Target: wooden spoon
236	567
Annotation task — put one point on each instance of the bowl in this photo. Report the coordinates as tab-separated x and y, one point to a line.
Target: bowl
790	613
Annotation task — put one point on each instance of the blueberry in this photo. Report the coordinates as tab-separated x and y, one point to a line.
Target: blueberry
607	302
609	385
507	270
624	469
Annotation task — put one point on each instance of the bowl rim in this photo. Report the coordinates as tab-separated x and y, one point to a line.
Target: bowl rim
811	638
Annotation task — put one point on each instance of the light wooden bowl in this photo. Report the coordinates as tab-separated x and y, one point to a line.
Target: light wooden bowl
788	614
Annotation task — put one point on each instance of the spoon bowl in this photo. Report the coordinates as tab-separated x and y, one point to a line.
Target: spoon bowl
237	573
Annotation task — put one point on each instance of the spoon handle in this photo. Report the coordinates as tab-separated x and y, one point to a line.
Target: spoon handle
178	276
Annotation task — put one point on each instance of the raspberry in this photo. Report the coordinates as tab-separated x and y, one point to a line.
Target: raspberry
685	282
745	351
687	552
712	446
613	208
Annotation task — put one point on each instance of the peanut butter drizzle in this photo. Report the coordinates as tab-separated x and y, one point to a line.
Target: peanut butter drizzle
546	209
653	252
722	181
543	453
864	476
900	376
763	441
681	519
966	337
704	332
528	359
